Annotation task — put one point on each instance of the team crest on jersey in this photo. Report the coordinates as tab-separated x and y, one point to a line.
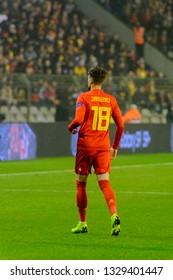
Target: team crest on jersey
79	104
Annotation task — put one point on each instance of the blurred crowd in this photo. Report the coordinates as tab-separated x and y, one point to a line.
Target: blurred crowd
49	37
54	37
153	94
155	16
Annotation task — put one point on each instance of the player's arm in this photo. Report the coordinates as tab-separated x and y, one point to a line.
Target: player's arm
79	115
117	117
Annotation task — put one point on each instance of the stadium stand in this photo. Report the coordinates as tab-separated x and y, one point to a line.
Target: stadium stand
46	49
156	17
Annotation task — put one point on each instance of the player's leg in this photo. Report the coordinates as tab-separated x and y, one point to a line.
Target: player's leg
81	201
102	169
82	166
108	192
110	198
81	196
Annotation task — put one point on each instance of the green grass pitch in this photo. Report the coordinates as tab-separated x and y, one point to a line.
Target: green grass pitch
38	210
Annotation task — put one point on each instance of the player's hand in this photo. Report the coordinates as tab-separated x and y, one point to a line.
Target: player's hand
74	131
113	153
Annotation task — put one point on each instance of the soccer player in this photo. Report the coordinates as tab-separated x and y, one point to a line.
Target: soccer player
93	112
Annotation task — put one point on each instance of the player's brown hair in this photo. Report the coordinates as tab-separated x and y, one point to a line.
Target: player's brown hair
98	74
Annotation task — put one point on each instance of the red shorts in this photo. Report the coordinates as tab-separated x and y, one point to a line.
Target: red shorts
100	160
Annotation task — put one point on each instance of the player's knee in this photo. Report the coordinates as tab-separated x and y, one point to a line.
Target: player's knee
81	178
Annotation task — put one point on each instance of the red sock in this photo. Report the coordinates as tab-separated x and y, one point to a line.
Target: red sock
109	195
81	199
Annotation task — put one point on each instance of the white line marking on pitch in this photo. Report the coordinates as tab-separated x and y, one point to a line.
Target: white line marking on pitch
89	191
72	170
150	193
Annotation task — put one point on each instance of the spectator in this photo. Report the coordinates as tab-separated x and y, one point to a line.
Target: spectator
140	98
122	101
162	100
20	96
6	93
35	96
152	94
139	38
80	69
50	93
131	87
30	53
43	86
132	115
141	69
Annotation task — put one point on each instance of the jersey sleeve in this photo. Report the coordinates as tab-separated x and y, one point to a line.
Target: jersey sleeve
117	117
80	113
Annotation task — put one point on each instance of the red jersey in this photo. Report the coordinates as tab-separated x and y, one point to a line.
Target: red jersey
94	110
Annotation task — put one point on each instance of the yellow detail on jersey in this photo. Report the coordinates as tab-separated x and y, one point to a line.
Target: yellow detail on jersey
101	118
100	99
